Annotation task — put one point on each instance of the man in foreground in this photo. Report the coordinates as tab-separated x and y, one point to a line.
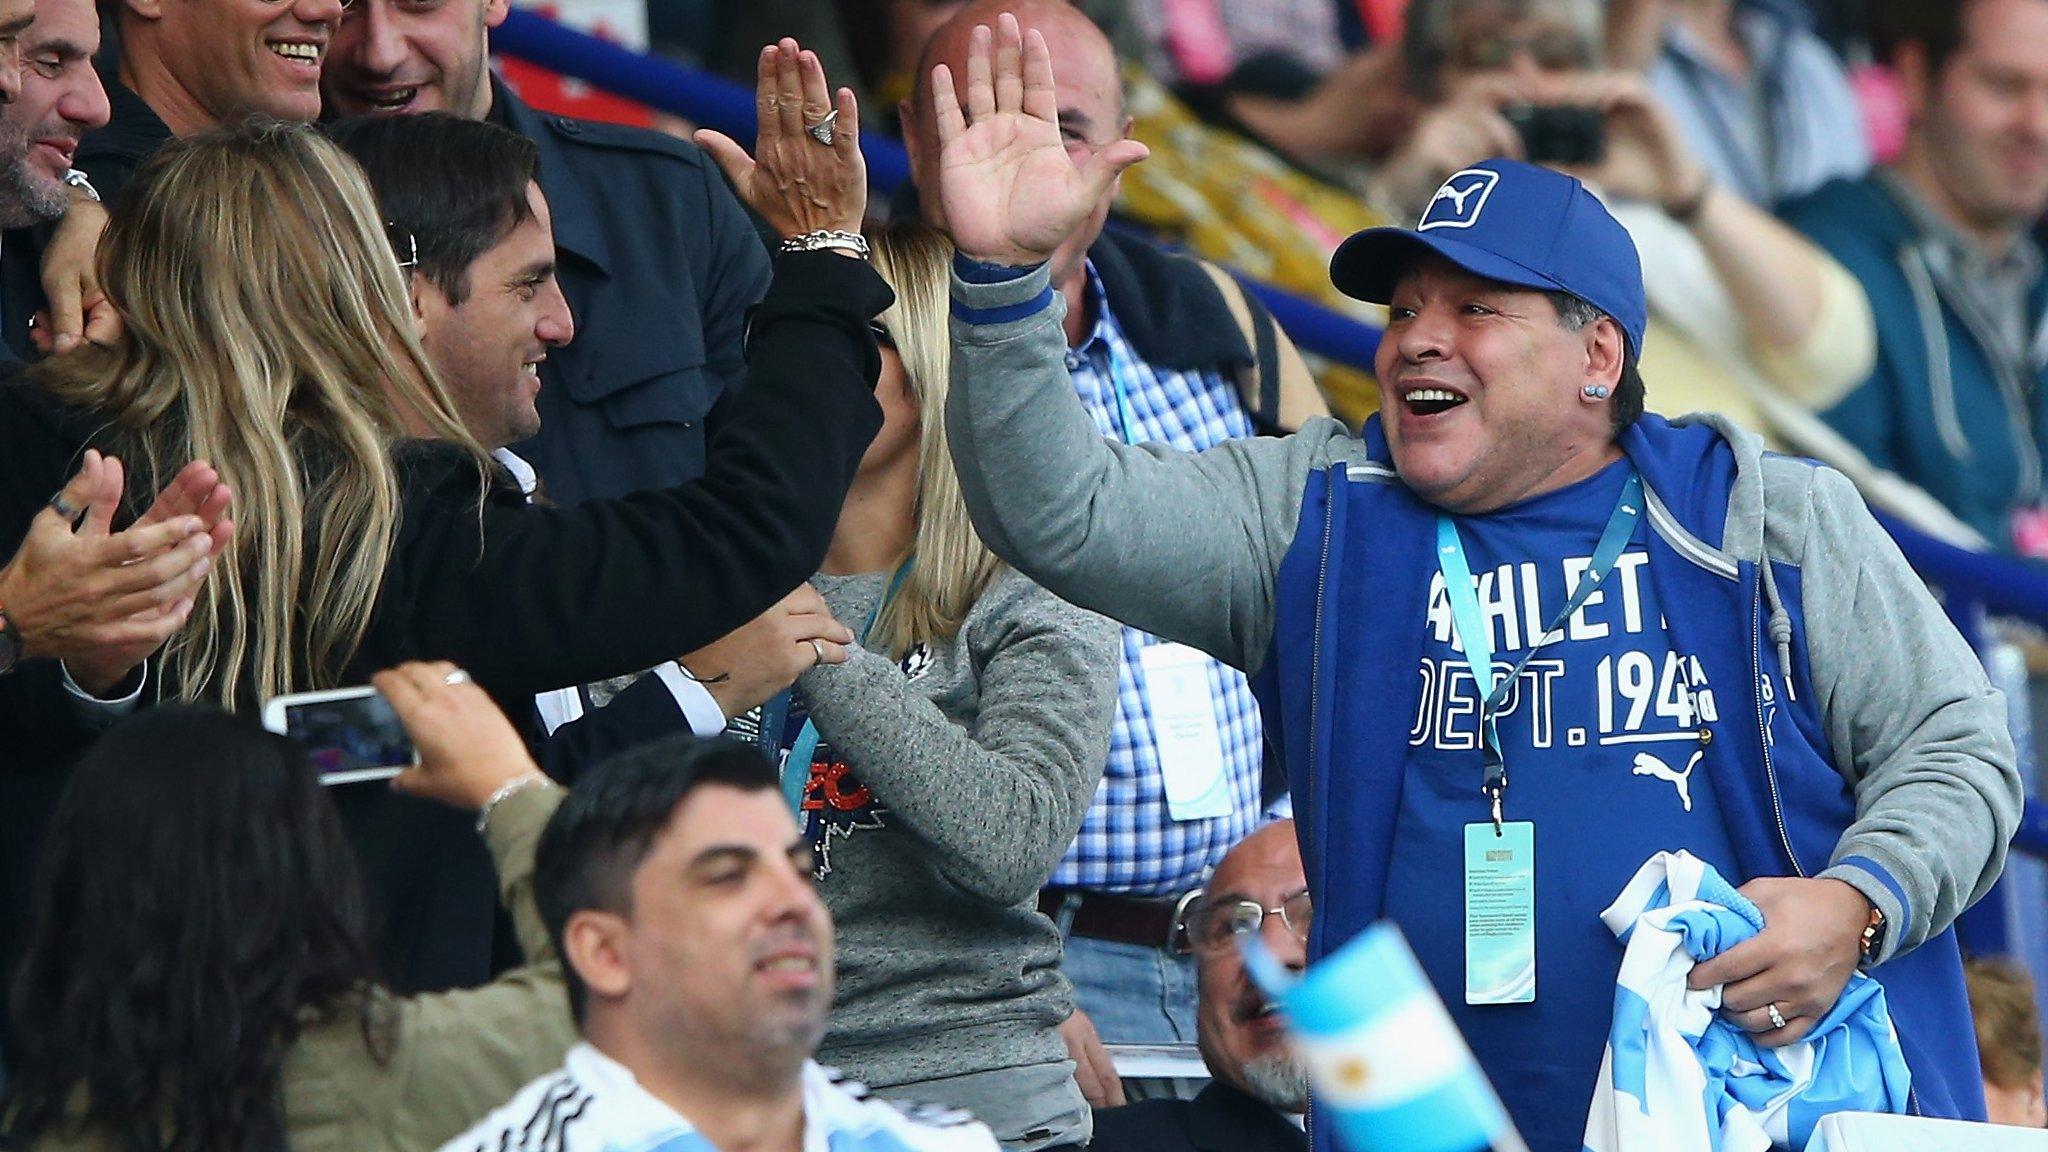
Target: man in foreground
699	964
1674	641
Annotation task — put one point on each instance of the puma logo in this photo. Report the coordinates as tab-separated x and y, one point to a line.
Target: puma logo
1648	765
1466	194
1456	197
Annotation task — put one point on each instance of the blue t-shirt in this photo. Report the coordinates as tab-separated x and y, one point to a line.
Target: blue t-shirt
1601	740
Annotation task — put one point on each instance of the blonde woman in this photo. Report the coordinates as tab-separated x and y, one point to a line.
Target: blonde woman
943	769
268	331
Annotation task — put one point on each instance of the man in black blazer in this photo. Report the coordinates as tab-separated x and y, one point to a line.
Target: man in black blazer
473	232
1259	1092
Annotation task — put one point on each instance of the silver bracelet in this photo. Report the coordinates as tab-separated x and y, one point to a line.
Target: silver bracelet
506	791
73	178
833	238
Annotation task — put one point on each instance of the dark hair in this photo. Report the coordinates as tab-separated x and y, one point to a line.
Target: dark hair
1575	313
608	823
450	188
1935	25
195	898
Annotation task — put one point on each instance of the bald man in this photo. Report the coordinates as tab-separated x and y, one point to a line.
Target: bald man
1162	349
1259	1091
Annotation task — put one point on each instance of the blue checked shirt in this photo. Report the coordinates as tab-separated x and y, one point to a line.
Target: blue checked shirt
1129	843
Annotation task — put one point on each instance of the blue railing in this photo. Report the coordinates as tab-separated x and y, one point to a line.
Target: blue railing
1974	584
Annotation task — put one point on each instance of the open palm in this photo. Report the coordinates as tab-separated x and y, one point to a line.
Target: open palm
1010	192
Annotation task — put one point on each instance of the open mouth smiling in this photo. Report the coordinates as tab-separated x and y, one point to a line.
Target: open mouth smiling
1431	401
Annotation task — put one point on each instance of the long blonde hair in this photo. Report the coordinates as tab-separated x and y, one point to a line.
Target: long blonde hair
949	565
267	331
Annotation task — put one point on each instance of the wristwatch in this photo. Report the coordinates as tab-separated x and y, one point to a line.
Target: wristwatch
1873	936
10	644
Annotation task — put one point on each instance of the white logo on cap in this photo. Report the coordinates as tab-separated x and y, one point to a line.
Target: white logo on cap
1460	201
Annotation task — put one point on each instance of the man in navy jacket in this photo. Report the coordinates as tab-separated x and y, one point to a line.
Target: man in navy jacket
659	262
1516	613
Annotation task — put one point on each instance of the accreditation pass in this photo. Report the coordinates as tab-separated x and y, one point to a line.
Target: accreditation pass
1500	913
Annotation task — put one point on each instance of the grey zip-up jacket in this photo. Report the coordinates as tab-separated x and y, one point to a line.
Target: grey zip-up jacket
1190	546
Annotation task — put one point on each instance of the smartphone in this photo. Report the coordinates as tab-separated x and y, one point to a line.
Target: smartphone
351	734
1561	134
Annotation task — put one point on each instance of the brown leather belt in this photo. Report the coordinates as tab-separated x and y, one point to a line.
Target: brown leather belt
1147	923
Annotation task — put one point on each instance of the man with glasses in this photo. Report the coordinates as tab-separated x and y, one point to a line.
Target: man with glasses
1260	1091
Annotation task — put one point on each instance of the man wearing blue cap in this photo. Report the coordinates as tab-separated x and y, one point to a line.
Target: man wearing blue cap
1660	637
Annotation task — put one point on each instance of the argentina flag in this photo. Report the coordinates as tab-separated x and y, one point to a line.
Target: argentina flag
1676	1076
1388	1066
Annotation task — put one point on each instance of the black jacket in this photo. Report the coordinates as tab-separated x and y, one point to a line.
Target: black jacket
110	155
531	598
1220	1119
659	264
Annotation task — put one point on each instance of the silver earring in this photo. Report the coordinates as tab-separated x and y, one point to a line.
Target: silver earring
1595	391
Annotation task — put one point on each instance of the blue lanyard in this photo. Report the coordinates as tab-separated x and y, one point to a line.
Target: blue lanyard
796	769
1127	421
1477	639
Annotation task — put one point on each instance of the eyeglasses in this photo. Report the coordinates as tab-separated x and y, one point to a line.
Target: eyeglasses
882	334
1551	51
1215	927
404	245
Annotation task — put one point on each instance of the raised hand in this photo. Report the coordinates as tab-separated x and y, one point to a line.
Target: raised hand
792	181
1009	191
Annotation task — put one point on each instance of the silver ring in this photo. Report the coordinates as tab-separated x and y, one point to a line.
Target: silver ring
63	508
456	677
822	130
817	650
1777	1020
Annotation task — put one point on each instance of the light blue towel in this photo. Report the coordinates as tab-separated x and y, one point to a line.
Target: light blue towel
1676	1076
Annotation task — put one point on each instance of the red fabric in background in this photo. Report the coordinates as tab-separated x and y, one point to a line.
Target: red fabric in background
552	92
1383	19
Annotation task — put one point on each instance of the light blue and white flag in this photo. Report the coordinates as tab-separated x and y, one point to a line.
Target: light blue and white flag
1389	1067
1677	1077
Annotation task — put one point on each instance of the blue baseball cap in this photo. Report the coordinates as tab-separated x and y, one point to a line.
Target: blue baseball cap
1513	222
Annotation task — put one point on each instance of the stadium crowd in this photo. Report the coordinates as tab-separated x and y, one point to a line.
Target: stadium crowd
866	658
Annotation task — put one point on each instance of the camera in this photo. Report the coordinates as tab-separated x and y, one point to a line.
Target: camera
1559	135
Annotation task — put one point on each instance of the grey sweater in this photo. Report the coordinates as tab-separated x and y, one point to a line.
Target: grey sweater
1188	546
967	772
